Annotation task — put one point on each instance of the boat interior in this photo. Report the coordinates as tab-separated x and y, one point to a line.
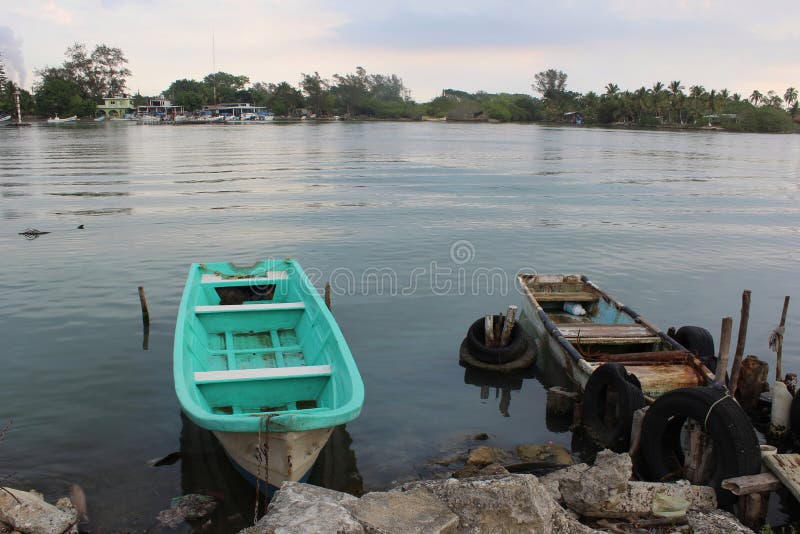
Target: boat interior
608	333
259	345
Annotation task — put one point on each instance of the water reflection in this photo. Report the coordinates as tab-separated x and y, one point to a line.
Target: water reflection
503	385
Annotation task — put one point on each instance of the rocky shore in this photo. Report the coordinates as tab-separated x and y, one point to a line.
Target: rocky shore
576	499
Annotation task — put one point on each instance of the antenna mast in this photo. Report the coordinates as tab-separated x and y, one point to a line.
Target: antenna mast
214	65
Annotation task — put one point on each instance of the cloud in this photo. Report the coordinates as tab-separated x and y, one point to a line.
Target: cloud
11	52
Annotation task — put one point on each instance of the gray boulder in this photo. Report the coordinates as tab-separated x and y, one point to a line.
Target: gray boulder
414	511
27	513
303	508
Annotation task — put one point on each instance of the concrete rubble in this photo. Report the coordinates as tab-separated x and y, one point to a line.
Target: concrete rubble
28	513
491	500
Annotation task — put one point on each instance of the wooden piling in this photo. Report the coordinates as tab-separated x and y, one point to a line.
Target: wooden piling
328	295
508	325
778	374
752	382
488	331
724	349
744	318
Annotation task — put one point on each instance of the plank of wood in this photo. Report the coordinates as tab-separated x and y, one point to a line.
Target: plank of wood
592	330
752	484
787	468
572	296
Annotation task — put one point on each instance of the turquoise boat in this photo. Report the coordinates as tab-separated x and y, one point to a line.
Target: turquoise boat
260	361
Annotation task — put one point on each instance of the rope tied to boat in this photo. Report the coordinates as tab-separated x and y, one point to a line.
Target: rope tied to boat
262	459
711	408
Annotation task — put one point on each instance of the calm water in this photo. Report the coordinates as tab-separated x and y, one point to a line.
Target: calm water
415	224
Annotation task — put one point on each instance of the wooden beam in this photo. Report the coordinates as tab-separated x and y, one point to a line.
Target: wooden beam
752	484
740	341
724	349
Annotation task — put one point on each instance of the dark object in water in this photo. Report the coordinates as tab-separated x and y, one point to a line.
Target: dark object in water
611	396
699	342
735	445
80	227
32	233
169	459
236	295
476	342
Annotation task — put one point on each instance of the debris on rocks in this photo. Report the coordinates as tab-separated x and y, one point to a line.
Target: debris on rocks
192	507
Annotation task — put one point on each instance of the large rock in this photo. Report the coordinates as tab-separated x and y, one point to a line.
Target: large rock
485	455
552	481
607	477
714	521
28	513
511	503
413	511
191	507
303	508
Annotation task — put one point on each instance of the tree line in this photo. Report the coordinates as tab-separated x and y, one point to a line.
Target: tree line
78	85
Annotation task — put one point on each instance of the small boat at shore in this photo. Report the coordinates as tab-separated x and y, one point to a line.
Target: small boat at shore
583	327
56	120
260	361
5	118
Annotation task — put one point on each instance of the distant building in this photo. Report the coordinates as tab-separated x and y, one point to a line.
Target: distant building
159	107
116	107
235	110
573	117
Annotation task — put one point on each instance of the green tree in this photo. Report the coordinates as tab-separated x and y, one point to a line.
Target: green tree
98	74
756	97
352	89
223	86
315	88
57	96
190	94
550	83
790	96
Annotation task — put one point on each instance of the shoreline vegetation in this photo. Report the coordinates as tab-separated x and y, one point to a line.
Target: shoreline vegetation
78	86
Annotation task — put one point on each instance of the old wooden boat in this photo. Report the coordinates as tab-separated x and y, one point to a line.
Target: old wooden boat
260	361
608	332
57	120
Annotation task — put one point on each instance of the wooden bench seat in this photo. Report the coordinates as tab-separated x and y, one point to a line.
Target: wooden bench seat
608	333
206	377
222	281
277	306
574	296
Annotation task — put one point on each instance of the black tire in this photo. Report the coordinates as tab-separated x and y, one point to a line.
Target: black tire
611	430
794	418
699	342
736	448
476	344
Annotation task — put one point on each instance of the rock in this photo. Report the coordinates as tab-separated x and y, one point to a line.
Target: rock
303	508
551	481
413	511
493	469
607	477
511	503
714	521
550	453
475	471
190	507
487	455
29	514
65	505
483	436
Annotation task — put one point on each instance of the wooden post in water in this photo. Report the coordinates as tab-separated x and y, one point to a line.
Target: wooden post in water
508	325
143	302
778	376
740	341
724	349
328	295
488	331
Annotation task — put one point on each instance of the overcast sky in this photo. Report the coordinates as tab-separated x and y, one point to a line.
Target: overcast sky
432	45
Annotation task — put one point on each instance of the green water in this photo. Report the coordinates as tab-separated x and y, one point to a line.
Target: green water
419	227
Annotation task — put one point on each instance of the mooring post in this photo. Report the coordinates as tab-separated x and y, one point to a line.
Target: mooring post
740	341
508	325
782	326
328	295
143	302
724	349
488	331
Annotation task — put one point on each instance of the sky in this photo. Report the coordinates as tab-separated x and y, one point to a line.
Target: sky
432	45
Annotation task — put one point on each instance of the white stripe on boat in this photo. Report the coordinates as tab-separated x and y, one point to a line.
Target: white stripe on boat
269	372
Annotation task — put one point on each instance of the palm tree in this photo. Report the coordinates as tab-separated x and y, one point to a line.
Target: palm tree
756	97
611	89
790	96
658	98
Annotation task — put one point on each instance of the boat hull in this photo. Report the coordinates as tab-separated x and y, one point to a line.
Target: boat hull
290	455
